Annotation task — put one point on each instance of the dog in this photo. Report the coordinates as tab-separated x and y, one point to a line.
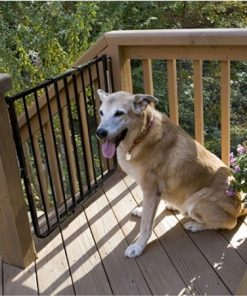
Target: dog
166	163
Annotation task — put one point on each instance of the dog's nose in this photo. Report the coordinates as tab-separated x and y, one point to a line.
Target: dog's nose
101	133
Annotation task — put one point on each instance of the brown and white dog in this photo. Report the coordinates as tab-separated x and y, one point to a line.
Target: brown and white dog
167	163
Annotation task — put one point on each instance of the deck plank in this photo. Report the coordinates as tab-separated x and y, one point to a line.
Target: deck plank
124	275
221	255
52	267
17	281
85	263
188	259
156	266
242	289
174	262
1	276
238	239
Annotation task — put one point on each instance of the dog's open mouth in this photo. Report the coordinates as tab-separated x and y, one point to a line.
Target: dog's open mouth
109	147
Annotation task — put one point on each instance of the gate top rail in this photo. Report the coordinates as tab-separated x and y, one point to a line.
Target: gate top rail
49	81
196	45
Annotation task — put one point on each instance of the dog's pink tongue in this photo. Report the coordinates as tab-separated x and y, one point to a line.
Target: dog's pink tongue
108	149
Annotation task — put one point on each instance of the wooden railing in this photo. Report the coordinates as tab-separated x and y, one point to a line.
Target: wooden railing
223	45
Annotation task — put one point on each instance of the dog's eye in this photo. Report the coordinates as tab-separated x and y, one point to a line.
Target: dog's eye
119	113
101	113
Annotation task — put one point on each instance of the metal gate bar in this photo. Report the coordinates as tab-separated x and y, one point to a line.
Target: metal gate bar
59	155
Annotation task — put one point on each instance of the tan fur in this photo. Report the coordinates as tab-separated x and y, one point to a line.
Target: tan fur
169	164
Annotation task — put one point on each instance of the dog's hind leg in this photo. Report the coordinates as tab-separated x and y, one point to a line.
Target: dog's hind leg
150	203
207	215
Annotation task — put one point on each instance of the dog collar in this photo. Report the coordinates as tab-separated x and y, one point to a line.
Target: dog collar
140	137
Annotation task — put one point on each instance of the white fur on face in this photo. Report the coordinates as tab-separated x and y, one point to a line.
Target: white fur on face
114	115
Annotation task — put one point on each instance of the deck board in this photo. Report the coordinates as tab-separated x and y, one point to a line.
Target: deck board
87	271
238	238
19	282
52	268
188	259
86	255
155	262
124	275
221	255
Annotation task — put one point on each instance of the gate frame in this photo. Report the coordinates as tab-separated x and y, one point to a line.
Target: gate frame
51	220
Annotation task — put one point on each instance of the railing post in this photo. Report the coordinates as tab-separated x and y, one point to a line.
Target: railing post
121	69
16	243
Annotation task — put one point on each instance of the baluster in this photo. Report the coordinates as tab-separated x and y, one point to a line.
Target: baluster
172	90
225	111
147	76
198	101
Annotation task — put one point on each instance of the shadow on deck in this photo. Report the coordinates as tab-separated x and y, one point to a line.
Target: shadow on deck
85	256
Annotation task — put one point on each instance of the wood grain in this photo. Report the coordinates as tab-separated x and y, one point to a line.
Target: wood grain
124	275
52	267
85	263
155	265
18	281
222	256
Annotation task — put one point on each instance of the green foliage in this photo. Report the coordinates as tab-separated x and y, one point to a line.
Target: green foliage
56	31
41	39
170	14
59	32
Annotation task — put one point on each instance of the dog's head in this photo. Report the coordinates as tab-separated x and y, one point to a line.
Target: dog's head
119	112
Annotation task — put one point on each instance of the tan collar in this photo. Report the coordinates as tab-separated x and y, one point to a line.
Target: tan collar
141	136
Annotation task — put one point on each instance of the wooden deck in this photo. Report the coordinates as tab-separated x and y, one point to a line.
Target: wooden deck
86	255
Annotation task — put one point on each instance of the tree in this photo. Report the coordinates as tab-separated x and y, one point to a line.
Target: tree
42	39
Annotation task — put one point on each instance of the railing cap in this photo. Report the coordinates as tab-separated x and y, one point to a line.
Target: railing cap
5	82
178	37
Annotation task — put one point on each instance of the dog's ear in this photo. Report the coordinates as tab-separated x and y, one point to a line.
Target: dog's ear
102	94
141	101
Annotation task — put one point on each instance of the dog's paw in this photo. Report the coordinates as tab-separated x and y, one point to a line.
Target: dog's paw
194	226
137	212
170	207
133	250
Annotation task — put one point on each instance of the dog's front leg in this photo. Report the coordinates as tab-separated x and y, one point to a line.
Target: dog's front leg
150	203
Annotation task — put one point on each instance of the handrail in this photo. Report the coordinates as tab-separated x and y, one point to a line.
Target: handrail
182	37
178	37
197	45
